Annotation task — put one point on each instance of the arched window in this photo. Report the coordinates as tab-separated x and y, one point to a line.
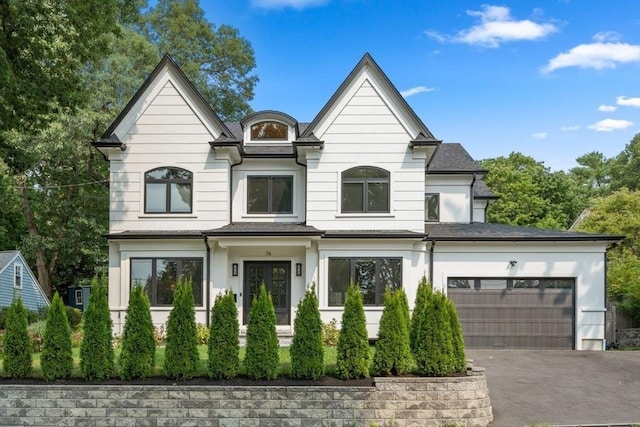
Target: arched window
365	189
269	130
168	190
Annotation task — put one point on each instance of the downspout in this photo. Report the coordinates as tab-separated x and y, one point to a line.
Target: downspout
606	314
305	181
206	244
231	187
471	198
433	245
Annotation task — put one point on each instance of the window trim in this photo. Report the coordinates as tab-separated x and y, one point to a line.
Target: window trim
426	211
365	193
167	182
379	287
78	296
18	276
263	139
270	178
153	259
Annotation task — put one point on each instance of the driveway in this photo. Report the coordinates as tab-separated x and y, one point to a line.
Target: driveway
561	387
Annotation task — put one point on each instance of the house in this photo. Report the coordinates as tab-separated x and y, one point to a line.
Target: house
17	279
362	193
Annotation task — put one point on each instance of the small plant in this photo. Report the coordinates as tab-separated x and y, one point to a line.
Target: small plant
160	334
330	333
307	351
224	345
74	317
262	358
137	357
36	335
96	350
202	334
181	351
393	355
56	360
16	346
353	345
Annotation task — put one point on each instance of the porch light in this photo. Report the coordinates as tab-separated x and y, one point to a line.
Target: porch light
298	269
234	269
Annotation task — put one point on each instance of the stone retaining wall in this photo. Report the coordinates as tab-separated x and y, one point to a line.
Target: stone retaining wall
629	337
401	402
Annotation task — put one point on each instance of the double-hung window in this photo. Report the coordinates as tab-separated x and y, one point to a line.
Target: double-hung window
432	207
268	194
17	276
371	275
160	276
168	190
365	189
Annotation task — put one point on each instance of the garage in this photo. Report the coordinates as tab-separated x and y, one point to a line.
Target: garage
515	313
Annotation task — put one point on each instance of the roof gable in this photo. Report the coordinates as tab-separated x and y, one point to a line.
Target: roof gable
7	258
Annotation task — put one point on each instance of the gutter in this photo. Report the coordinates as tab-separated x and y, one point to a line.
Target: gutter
208	304
471	197
433	245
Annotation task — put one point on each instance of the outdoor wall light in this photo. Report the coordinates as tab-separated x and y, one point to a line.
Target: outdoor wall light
234	269
298	269
513	262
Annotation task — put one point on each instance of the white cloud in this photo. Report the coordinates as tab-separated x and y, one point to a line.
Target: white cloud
570	128
608	125
540	135
496	27
628	101
416	90
607	108
605	52
295	4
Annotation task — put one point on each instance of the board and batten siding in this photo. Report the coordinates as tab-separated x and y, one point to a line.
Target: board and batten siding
168	133
31	294
365	131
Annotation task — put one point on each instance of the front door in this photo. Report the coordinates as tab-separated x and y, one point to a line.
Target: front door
276	276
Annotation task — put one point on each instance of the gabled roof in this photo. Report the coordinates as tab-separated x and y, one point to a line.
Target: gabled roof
486	232
167	61
7	258
453	158
424	136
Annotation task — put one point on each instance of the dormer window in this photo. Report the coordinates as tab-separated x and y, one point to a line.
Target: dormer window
168	190
269	131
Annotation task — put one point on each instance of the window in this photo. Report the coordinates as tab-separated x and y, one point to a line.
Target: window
270	194
432	207
499	284
371	275
365	190
159	276
78	294
17	276
269	130
168	190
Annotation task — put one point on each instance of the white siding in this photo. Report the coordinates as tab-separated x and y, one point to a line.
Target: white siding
455	196
479	210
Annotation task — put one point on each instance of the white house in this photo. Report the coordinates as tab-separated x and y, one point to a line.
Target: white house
363	193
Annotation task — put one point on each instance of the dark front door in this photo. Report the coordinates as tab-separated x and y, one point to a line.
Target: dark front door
276	276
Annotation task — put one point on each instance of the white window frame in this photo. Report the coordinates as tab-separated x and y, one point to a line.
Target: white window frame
18	273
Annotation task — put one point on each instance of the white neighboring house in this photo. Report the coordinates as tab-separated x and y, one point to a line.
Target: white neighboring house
363	193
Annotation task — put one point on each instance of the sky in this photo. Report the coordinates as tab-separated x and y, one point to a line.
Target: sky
552	79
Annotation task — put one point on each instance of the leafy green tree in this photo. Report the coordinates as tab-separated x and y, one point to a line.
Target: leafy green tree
137	358
96	349
352	360
307	350
224	344
262	360
56	359
16	346
626	166
423	295
181	351
393	354
593	175
434	352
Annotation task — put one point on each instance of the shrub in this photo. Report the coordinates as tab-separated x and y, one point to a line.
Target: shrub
56	359
160	334
16	346
137	357
202	334
393	355
96	349
224	345
74	316
307	351
181	351
32	316
262	358
353	345
423	294
330	333
36	335
457	339
434	349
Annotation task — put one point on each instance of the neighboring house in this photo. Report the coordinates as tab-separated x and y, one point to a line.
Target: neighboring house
17	279
364	193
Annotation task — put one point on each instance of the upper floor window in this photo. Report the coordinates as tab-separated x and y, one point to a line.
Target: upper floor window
17	276
270	194
365	189
168	190
269	130
432	207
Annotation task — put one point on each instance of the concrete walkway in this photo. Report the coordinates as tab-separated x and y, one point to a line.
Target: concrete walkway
567	388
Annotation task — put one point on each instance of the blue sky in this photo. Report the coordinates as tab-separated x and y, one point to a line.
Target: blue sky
552	79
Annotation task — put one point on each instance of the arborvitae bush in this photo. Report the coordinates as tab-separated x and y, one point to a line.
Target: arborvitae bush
353	344
262	360
457	339
434	349
393	355
15	343
307	350
423	294
404	309
224	344
56	360
96	350
181	351
137	358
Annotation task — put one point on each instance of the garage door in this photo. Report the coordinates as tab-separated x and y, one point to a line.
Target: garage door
526	313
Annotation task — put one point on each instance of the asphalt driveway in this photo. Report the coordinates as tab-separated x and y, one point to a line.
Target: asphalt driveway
562	387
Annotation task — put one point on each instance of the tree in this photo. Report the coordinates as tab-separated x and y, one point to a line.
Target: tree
352	360
457	340
218	60
56	359
626	166
16	346
423	294
434	352
393	355
96	349
224	345
593	175
262	360
137	358
181	352
307	350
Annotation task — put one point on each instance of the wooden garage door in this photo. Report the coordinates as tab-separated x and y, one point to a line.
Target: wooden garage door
515	313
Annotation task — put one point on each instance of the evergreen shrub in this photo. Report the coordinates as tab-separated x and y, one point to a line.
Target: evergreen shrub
307	350
96	349
56	359
224	344
423	294
181	350
262	358
352	360
457	339
393	355
15	342
137	357
434	348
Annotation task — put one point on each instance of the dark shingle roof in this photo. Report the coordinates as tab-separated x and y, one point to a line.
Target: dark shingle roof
155	234
501	232
264	229
453	158
373	234
482	191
